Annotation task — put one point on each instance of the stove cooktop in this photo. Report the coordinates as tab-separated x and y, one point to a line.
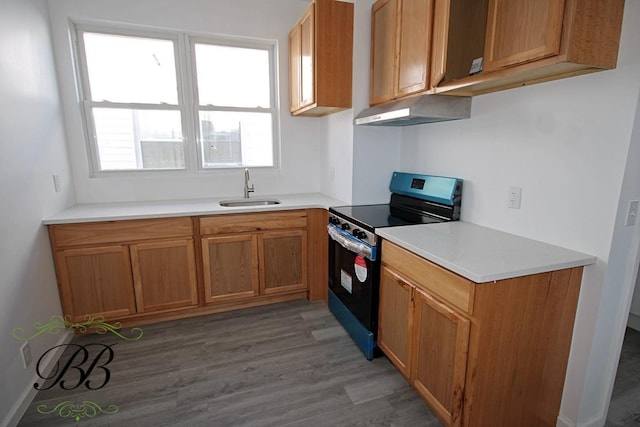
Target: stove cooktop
375	216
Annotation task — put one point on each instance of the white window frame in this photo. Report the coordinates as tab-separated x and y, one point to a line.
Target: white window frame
270	47
188	107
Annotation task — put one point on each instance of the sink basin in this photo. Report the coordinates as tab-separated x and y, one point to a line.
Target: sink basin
248	202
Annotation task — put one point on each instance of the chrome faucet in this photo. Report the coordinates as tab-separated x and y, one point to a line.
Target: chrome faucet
247	189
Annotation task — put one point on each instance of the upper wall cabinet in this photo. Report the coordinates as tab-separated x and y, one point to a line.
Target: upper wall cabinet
521	31
320	59
400	47
416	43
531	41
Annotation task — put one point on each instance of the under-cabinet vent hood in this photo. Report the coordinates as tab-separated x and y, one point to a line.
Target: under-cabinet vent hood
416	110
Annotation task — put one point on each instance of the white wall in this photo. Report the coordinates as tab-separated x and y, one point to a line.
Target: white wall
617	293
358	161
565	143
376	150
32	149
302	139
634	311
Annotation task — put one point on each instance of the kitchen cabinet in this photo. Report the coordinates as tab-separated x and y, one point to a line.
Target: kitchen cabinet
320	59
395	319
383	51
284	261
254	255
149	270
478	353
521	31
439	366
400	48
231	267
415	44
424	338
531	41
95	281
164	275
125	268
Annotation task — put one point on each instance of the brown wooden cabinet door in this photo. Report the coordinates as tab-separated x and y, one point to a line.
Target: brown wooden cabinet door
414	45
384	26
521	31
230	267
164	275
307	58
302	61
295	62
283	261
395	320
441	347
96	281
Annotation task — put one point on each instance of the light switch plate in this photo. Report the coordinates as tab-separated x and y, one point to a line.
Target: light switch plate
632	213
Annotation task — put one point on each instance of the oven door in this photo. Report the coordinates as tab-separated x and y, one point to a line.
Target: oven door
354	273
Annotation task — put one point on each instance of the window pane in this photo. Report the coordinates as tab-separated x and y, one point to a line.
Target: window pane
131	69
232	76
138	139
236	139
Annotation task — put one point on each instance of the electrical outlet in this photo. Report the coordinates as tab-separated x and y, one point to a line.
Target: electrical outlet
25	352
515	197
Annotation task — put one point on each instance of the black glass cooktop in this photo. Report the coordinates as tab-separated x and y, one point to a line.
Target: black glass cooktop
375	216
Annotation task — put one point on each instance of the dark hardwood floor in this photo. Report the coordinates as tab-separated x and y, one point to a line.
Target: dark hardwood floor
624	409
288	364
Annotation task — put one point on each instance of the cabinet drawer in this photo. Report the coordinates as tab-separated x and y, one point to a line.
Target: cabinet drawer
246	223
119	231
452	288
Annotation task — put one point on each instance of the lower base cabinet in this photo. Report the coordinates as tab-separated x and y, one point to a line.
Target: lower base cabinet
252	255
479	354
118	269
150	270
230	267
427	341
95	281
164	275
440	354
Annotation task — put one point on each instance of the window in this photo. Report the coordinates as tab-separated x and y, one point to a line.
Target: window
148	97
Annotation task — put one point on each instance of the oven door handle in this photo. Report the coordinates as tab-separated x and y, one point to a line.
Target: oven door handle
350	243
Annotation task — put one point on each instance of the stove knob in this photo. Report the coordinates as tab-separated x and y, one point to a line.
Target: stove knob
346	226
334	220
359	234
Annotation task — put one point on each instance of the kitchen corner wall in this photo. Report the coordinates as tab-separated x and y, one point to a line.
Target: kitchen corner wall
32	150
566	144
376	150
302	139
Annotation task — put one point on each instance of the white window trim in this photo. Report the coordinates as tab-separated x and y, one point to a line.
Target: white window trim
187	95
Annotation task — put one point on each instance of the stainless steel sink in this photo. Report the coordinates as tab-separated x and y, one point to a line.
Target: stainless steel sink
248	202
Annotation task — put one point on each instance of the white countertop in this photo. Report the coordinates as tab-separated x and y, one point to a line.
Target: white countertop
92	212
482	254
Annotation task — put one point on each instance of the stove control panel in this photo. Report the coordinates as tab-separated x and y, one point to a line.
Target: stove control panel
354	230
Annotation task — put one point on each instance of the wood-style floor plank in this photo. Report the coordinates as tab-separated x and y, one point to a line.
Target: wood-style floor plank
288	364
624	409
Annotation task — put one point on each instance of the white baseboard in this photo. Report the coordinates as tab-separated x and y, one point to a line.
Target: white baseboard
563	421
634	322
20	407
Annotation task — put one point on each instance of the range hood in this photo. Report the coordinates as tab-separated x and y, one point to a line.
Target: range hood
416	110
